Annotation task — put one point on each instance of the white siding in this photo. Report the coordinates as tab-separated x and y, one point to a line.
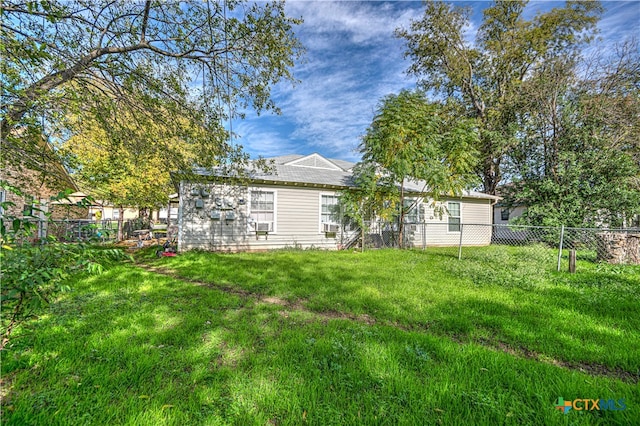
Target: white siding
297	220
436	230
514	213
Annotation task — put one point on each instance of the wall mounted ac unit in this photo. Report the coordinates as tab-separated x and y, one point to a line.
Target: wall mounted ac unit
230	216
263	227
331	227
215	215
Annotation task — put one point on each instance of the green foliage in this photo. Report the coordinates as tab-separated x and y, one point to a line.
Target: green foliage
485	79
411	139
152	76
34	270
578	161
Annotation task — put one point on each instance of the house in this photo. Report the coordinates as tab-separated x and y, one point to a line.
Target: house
105	210
503	215
26	171
296	205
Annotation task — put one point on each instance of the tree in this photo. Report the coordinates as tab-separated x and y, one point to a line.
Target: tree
411	138
485	79
158	60
578	159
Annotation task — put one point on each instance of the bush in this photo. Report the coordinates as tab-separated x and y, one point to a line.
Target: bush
34	270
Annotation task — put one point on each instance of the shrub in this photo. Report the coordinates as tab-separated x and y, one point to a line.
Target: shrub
34	270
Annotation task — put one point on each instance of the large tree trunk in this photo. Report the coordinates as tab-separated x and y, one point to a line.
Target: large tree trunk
491	175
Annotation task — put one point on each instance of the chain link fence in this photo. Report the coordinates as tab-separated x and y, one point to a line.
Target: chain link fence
103	230
617	246
106	230
79	229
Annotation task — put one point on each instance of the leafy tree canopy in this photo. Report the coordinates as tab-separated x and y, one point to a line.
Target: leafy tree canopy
411	138
485	78
577	162
151	70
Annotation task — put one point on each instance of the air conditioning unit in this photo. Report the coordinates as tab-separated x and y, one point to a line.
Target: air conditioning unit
230	215
263	227
331	227
411	228
215	215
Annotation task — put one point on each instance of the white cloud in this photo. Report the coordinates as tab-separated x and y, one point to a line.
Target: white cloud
352	61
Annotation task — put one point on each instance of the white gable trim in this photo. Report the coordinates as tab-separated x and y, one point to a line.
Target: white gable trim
319	159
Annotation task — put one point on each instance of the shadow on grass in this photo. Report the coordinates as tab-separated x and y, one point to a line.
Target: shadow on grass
132	347
513	304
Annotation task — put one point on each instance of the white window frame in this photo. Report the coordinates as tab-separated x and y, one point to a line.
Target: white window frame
274	229
320	222
449	217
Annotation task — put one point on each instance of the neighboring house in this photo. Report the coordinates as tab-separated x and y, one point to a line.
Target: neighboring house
38	187
105	210
504	215
297	206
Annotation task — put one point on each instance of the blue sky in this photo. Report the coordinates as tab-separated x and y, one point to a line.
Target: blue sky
352	60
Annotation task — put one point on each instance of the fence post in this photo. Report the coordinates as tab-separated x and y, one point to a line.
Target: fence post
460	245
560	248
572	261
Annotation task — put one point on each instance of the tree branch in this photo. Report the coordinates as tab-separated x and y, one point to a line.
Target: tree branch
145	20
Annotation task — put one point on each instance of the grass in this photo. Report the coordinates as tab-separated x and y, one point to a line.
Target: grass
291	337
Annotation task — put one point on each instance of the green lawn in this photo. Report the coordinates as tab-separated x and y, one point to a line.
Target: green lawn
311	337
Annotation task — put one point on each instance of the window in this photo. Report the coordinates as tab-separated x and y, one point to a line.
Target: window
454	216
411	210
504	214
329	209
27	210
263	209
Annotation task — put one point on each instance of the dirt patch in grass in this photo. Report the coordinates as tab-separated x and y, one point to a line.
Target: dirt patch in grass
593	369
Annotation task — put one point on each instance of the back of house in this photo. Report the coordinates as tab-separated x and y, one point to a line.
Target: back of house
296	204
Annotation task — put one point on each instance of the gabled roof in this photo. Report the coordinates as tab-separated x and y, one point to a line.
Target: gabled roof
314	170
308	170
26	154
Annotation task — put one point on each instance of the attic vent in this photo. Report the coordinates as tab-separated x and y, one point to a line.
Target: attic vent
315	161
311	162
